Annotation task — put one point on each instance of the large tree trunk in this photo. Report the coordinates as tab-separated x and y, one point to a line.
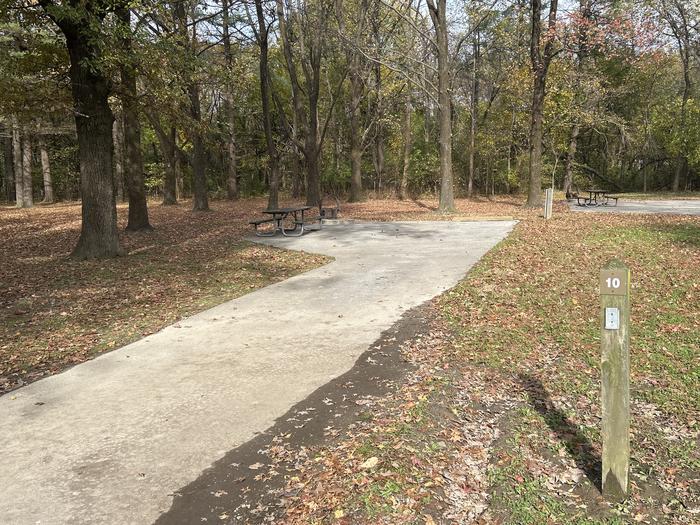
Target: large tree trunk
438	15
570	160
134	175
17	163
99	237
407	133
27	186
46	171
262	35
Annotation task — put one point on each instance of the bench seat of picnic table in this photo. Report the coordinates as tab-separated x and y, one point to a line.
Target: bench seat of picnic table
258	222
579	198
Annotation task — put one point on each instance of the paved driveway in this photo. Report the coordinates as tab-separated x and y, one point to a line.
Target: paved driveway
673	207
110	440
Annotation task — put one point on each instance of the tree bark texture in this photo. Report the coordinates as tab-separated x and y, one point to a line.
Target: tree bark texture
93	119
90	88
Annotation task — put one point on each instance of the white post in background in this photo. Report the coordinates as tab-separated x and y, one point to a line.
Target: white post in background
548	202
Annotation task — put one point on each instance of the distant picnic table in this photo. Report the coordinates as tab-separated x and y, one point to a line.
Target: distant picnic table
597	197
278	217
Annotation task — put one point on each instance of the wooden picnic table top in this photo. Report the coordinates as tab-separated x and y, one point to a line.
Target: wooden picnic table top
279	211
597	191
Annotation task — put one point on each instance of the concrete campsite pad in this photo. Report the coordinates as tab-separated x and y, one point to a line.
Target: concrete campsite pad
110	440
668	207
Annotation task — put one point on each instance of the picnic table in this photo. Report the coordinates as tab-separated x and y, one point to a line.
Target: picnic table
597	197
278	217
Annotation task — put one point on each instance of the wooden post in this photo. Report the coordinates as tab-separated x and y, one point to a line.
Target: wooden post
615	365
548	202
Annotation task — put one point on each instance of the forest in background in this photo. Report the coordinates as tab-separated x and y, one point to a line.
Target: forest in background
114	100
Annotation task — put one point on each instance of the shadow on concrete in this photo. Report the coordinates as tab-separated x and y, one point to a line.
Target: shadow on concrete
231	488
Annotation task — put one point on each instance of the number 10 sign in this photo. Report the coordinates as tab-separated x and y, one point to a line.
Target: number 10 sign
614	281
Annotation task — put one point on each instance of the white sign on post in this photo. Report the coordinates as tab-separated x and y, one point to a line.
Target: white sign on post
612	318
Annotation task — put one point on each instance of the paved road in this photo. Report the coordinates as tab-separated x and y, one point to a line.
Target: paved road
673	207
110	440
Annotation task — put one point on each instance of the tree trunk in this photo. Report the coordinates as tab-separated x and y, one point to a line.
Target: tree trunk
570	160
473	116
680	30
17	163
118	140
9	166
312	72
170	153
232	190
355	141
262	35
199	160
46	171
534	197
407	145
27	186
199	154
378	155
134	175
540	64
93	120
438	15
313	143
297	175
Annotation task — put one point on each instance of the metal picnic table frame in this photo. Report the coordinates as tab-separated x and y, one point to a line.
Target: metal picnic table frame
278	216
597	197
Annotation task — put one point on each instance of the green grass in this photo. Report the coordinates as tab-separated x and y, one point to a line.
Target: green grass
531	307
